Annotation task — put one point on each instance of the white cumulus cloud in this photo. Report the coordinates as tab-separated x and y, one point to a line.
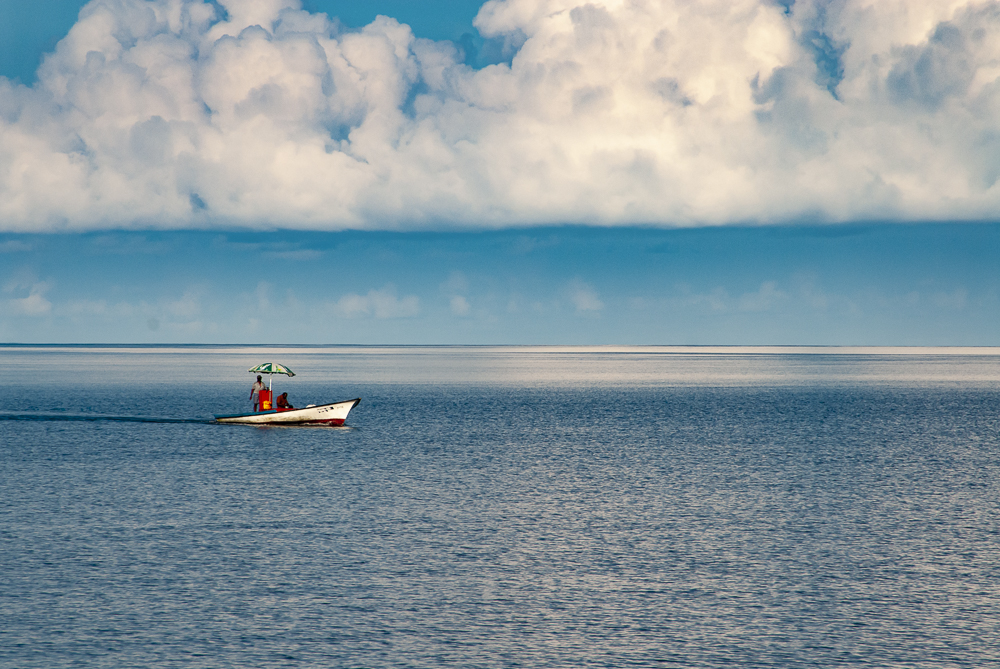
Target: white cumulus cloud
184	113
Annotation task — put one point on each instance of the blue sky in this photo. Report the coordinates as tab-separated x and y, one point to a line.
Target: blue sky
855	284
528	171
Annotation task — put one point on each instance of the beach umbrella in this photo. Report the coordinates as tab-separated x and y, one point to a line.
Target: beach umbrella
271	368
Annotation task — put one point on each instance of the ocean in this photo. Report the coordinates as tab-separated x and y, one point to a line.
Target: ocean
502	507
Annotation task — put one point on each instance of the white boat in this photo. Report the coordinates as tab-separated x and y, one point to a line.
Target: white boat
315	414
321	414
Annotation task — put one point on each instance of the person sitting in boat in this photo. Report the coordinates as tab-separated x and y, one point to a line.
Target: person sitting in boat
283	402
255	392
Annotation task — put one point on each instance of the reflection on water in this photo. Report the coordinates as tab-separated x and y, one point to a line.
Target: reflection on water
503	507
522	366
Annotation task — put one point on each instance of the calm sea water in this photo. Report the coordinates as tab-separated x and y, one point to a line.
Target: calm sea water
502	508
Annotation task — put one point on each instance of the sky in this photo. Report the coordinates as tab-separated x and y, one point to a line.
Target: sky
514	171
918	284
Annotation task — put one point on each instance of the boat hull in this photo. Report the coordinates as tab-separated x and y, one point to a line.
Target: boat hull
323	414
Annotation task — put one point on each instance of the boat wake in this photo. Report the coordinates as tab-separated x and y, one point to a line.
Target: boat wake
90	417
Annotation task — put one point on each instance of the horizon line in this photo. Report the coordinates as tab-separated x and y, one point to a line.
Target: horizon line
763	349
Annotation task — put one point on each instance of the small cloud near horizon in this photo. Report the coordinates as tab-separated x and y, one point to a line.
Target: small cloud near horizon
584	298
380	304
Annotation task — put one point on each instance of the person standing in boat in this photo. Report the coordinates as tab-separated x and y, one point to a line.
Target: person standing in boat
255	392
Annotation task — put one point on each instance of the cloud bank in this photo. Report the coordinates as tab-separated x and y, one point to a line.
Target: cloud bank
182	113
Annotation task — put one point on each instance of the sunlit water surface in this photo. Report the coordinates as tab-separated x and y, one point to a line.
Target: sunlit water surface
492	507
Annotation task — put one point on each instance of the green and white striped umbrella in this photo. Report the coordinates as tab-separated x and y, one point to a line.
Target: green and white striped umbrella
271	368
